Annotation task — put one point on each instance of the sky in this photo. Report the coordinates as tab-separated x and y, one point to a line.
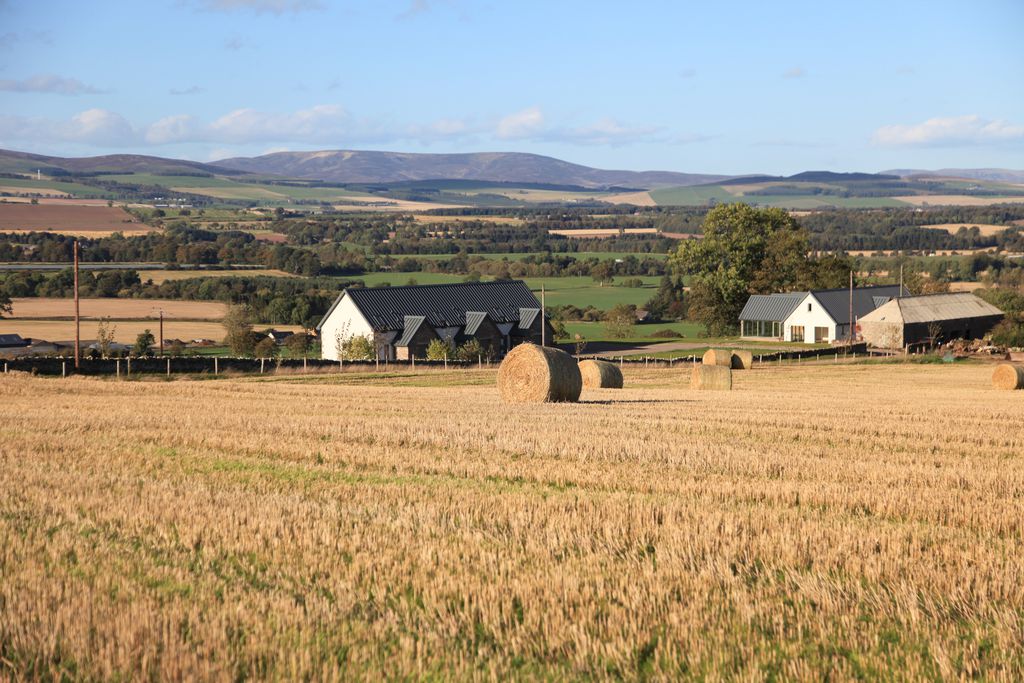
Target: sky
739	87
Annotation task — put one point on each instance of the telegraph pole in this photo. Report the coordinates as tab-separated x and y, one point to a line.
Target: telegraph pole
543	319
851	308
161	331
78	341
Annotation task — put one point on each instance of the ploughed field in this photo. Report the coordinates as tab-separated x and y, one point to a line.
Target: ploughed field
818	521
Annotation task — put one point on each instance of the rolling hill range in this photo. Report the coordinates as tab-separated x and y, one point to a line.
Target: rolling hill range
392	181
350	166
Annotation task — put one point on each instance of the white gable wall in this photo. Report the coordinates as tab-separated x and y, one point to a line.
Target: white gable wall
346	321
809	314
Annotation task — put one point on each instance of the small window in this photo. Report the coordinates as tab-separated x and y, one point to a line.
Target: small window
808	308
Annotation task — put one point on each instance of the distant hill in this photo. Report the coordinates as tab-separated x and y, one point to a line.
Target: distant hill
24	162
349	166
1004	175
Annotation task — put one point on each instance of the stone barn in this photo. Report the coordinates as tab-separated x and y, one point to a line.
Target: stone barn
915	320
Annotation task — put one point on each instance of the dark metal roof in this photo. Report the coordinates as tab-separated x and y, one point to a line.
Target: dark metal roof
8	340
412	326
836	302
771	307
473	321
385	308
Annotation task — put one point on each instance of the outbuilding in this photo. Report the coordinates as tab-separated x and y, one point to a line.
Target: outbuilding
930	318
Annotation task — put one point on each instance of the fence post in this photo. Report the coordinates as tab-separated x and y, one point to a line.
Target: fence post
128	367
63	368
304	368
261	365
118	361
216	366
5	367
168	367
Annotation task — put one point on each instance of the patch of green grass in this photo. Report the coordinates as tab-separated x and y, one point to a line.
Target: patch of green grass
691	196
691	331
50	186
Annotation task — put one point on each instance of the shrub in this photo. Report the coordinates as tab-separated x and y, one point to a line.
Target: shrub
438	349
666	334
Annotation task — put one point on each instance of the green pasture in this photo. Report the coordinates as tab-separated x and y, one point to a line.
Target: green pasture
44	186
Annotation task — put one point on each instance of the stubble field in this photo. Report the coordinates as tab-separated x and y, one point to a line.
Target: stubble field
819	522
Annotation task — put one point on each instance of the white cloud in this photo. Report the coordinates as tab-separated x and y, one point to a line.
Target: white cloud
178	128
522	124
955	130
261	6
48	83
321	125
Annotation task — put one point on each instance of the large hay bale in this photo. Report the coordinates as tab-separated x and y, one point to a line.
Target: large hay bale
539	374
600	374
721	357
711	378
1008	376
742	360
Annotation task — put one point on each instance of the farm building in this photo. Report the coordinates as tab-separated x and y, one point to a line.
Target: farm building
817	316
917	319
402	321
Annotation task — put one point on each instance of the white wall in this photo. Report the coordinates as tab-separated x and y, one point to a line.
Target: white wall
817	316
345	320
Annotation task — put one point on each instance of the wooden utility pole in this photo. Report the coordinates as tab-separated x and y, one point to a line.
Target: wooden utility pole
78	340
161	331
543	319
851	307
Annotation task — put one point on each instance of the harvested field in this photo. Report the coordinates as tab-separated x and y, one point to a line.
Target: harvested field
634	198
986	229
125	331
118	309
67	218
956	200
335	528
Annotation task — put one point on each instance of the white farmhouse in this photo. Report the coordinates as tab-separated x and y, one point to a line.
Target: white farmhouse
819	316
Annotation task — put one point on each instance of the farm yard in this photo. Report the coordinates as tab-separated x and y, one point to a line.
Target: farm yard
817	522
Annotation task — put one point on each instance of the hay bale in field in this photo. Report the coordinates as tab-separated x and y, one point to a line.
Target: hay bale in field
721	357
711	378
742	360
539	374
1008	376
600	374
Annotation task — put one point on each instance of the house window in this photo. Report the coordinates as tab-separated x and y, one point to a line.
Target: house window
820	335
808	308
796	333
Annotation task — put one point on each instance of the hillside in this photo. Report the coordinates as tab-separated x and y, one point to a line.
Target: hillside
25	162
350	166
1004	175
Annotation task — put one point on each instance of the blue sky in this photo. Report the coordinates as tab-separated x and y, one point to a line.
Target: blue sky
738	87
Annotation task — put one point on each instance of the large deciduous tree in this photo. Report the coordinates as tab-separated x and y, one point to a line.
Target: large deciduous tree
747	251
5	305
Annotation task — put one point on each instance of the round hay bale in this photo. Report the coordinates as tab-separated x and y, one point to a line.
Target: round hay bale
539	374
711	378
600	374
1008	376
722	357
742	360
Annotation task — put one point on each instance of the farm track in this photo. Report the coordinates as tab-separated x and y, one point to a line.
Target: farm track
817	522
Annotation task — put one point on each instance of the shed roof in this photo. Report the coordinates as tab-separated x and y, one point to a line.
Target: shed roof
933	308
385	308
771	307
8	340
